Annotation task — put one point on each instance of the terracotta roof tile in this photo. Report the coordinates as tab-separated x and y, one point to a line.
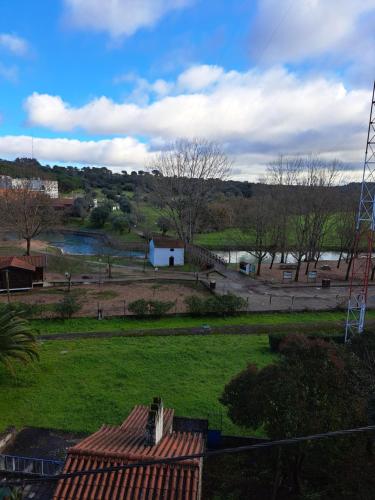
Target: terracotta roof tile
119	445
34	260
16	262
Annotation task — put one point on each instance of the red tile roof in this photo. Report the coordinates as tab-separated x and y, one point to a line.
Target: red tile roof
167	243
34	260
113	446
16	262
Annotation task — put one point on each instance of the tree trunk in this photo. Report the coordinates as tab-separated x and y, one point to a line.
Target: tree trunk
282	258
272	260
339	260
28	244
372	273
317	260
307	268
298	268
259	264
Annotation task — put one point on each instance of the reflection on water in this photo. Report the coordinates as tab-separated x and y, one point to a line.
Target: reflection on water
237	256
76	244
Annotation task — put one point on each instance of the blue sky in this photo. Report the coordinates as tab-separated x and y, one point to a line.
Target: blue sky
112	82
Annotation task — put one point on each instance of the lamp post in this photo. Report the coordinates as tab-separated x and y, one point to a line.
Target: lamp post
68	277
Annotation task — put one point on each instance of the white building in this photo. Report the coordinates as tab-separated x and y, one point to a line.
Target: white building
51	188
166	252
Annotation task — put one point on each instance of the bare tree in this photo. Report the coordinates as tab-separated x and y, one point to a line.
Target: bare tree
188	174
302	190
256	219
27	212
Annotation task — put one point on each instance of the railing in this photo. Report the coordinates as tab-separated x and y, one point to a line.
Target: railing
39	466
202	254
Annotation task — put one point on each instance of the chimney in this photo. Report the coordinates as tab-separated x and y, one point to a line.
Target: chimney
154	426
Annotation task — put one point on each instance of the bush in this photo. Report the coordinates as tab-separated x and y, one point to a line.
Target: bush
23	310
159	308
143	307
227	304
275	340
139	307
195	305
68	306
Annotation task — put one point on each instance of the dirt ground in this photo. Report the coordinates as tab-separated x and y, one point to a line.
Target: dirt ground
110	297
325	269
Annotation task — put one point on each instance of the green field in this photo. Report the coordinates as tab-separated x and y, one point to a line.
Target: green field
129	323
79	385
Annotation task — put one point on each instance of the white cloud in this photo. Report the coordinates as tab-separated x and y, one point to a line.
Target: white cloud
124	152
9	73
252	112
119	17
14	44
199	77
293	31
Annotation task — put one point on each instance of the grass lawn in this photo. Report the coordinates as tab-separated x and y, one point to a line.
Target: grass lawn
78	385
129	323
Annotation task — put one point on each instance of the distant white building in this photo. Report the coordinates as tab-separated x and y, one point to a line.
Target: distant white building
48	187
166	252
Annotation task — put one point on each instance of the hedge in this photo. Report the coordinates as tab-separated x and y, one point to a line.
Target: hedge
275	339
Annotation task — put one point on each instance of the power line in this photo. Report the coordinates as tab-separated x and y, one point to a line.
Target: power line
25	478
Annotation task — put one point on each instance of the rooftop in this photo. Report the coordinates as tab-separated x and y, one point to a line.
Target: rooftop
127	443
33	260
17	262
167	243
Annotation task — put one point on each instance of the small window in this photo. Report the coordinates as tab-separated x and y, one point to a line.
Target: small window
171	249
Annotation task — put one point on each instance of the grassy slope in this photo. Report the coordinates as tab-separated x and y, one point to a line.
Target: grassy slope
114	324
79	385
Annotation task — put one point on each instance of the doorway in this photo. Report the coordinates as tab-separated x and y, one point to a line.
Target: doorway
171	261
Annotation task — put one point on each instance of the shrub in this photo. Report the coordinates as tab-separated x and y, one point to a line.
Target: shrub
276	340
68	306
159	308
224	305
23	309
139	307
195	305
143	307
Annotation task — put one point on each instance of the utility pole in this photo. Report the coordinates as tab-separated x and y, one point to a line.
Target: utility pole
361	265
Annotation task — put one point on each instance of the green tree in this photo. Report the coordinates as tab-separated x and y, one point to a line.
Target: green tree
315	386
17	341
100	215
120	223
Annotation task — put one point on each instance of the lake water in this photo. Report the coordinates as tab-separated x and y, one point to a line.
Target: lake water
234	257
76	244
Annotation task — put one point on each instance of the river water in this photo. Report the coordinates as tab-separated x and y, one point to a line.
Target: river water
77	244
233	257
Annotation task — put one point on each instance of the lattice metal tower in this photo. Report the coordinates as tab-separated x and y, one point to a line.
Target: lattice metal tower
365	225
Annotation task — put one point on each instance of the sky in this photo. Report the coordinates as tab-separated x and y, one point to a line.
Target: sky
113	82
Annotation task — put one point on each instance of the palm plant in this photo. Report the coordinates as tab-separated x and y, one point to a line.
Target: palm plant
17	341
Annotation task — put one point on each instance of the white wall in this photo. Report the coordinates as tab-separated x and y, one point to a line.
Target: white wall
159	257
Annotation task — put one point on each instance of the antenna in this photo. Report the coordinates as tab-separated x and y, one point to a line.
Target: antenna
361	262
